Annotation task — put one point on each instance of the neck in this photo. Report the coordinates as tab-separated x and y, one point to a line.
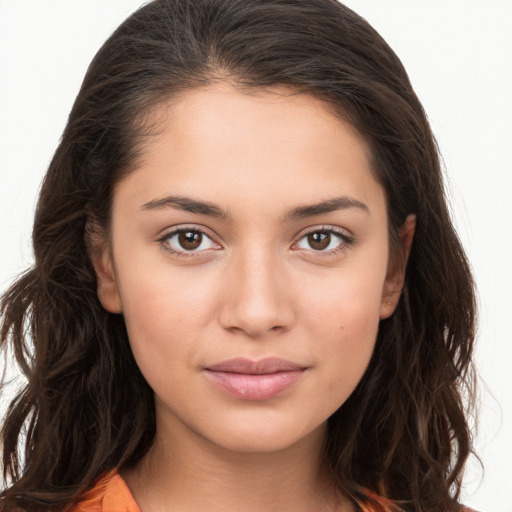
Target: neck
194	474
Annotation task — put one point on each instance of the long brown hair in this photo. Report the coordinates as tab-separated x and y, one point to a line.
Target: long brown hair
86	409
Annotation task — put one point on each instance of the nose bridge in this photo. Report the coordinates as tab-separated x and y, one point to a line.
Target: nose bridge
256	297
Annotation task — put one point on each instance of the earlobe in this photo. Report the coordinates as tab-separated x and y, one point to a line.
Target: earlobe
101	259
396	272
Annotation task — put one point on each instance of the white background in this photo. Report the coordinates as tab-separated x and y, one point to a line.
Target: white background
459	56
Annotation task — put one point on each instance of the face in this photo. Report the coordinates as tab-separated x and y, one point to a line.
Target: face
249	256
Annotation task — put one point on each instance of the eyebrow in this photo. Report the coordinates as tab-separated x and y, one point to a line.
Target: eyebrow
187	204
190	205
327	206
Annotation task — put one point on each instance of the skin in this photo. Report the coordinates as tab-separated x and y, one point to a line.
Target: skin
254	287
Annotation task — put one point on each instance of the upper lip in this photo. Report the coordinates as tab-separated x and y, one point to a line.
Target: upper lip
261	367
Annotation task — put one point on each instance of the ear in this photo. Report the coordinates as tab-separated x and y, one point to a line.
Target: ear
396	271
100	253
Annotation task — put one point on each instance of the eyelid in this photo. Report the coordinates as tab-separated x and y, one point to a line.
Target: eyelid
343	232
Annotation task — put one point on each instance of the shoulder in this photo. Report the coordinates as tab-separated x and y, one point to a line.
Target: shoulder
109	494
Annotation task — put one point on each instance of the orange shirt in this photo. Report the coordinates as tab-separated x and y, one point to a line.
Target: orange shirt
111	494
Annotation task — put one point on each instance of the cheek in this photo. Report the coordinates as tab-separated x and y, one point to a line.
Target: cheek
351	338
165	314
345	319
346	302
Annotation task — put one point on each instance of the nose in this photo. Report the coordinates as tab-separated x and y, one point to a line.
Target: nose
257	296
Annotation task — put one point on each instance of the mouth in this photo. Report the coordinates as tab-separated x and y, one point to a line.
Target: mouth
255	380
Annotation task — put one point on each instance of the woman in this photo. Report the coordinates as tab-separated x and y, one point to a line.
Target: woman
247	292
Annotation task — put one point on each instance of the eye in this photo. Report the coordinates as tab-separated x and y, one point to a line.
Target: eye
325	241
187	242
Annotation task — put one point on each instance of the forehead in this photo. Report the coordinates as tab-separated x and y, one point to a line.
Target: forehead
254	118
266	145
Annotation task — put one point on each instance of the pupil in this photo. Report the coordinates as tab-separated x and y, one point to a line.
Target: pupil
319	240
190	239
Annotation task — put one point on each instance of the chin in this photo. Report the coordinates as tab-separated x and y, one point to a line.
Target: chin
260	437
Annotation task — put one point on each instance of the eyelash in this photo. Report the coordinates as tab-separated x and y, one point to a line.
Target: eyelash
346	241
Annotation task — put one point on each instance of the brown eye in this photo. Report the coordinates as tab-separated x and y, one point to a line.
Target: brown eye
325	241
187	242
190	240
319	240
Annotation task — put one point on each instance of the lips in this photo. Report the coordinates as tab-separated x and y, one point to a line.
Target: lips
254	380
264	366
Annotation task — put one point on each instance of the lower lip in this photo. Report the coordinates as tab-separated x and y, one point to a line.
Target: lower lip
255	387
